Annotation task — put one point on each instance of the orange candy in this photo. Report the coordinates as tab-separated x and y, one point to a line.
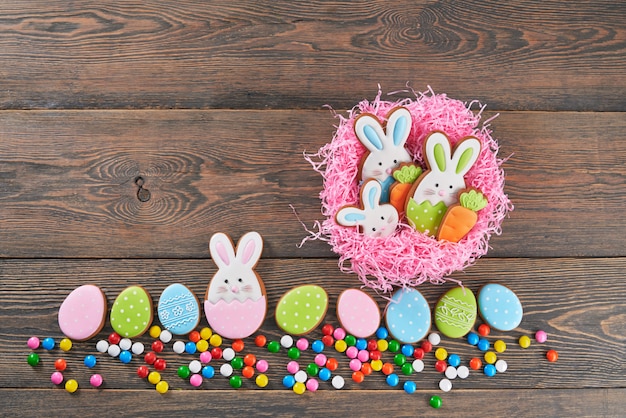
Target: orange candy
247	372
260	340
552	356
387	369
358	376
332	364
194	336
238	346
249	360
366	369
484	330
475	363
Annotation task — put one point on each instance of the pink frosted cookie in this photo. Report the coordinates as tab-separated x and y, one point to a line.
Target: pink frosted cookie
82	314
236	304
358	313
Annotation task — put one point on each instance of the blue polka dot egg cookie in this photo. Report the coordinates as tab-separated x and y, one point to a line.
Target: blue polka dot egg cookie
178	309
408	316
499	307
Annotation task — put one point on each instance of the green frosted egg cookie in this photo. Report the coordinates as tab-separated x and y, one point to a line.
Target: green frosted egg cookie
301	309
455	312
131	314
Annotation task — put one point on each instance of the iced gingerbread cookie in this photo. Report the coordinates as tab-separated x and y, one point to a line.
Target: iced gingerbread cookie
408	316
301	309
385	146
235	302
132	314
178	309
83	313
438	187
455	312
373	219
358	313
499	307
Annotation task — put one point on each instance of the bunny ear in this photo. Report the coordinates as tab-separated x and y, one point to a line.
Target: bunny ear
221	249
249	249
465	155
399	126
370	195
370	132
350	216
437	150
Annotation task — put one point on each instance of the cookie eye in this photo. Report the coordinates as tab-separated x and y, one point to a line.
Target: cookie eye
382	218
395	161
436	184
451	187
373	229
226	281
240	280
380	164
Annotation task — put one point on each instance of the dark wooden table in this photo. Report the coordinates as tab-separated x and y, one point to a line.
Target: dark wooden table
212	104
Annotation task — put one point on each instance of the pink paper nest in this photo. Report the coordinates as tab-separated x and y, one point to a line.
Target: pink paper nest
408	257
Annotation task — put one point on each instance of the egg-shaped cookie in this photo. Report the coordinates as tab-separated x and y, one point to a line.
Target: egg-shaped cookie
500	307
178	309
358	313
408	316
455	312
131	313
83	312
301	309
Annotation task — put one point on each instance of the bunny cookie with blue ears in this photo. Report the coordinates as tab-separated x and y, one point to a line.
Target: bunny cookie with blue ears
385	146
439	186
373	219
235	304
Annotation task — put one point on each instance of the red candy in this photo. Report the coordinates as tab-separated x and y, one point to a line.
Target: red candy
372	345
328	340
157	346
216	353
328	329
114	338
194	336
418	353
160	364
484	330
375	355
143	372
150	357
260	340
427	346
441	366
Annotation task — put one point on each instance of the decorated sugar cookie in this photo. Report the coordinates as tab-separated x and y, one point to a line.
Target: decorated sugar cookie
131	313
178	309
373	219
358	313
408	316
83	312
500	307
438	187
301	309
408	256
385	146
235	304
455	312
460	218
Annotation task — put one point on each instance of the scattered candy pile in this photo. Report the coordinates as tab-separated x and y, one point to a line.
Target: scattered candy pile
398	363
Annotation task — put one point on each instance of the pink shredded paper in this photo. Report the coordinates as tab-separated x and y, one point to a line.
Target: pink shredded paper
408	257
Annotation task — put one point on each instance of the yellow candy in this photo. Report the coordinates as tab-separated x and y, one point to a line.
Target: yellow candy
65	344
377	365
202	346
524	341
262	380
341	346
441	353
499	346
215	340
490	357
299	388
71	386
205	333
154	377
155	331
162	386
383	345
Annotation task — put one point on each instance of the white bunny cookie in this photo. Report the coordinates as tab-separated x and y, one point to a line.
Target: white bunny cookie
374	219
385	146
235	304
439	186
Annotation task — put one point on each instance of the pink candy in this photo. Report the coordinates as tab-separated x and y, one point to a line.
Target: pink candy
352	352
262	366
205	357
95	380
320	360
312	385
56	378
339	334
195	380
33	343
302	344
541	336
293	367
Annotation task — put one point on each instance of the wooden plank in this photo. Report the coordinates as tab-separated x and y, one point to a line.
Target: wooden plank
67	182
248	54
578	302
521	403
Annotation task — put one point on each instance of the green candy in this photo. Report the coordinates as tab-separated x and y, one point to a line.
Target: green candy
33	359
435	402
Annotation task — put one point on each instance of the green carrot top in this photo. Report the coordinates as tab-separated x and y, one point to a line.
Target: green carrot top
407	173
473	200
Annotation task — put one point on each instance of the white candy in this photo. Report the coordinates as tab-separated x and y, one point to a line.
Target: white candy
338	382
114	350
226	370
102	346
195	366
228	354
125	344
165	336
434	338
137	348
179	347
418	365
445	385
300	376
501	366
286	341
462	372
451	372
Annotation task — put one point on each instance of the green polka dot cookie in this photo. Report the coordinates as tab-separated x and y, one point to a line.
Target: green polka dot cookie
455	312
131	314
301	309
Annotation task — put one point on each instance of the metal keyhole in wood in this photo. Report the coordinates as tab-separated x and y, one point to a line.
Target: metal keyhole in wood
142	194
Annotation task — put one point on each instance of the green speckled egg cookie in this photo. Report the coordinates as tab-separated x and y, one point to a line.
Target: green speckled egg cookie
455	312
301	309
132	314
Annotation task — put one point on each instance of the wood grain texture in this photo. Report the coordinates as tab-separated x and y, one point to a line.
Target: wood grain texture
67	182
171	54
578	302
518	403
